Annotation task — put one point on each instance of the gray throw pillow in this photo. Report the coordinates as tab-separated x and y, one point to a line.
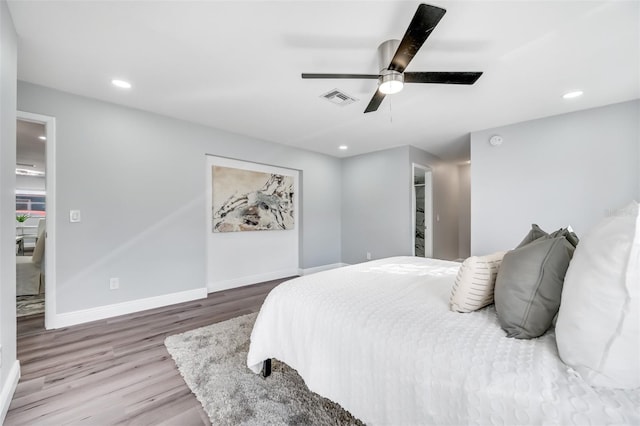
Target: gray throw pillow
569	235
535	233
529	286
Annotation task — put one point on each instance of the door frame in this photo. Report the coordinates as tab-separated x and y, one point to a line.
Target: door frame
428	201
50	218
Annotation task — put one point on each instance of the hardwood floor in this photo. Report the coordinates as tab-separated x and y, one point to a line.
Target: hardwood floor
117	371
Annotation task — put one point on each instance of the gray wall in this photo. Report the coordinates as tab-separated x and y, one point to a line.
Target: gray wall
139	181
30	183
376	204
570	169
8	73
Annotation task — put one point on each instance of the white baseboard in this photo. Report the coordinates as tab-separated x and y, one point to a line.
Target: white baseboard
94	314
8	389
313	270
259	278
251	279
87	315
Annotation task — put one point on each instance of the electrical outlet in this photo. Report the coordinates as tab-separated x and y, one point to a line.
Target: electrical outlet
114	283
368	256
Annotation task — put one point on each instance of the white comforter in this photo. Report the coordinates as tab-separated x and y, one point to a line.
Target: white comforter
379	339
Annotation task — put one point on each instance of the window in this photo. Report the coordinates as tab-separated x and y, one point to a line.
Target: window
31	203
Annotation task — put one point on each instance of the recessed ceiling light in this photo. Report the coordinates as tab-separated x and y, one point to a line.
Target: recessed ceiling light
343	147
42	138
572	95
121	84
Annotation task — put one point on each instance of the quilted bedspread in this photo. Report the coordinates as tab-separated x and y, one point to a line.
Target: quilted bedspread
379	339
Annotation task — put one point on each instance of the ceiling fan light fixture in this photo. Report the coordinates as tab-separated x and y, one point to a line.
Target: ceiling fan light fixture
391	82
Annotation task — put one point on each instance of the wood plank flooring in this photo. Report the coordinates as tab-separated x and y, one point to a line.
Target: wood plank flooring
117	371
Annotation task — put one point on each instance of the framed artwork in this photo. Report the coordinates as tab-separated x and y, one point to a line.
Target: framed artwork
246	200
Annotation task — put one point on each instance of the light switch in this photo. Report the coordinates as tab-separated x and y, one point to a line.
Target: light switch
74	216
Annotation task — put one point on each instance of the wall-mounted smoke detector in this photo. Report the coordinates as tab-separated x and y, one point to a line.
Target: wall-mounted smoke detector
338	97
496	140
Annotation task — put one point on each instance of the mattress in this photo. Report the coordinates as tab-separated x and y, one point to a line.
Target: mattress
379	339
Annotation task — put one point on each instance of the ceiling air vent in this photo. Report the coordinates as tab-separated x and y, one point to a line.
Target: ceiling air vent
337	97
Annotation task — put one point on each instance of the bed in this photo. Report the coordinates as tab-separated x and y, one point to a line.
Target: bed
379	339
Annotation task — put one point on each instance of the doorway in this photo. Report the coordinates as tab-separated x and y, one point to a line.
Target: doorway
422	190
30	216
35	201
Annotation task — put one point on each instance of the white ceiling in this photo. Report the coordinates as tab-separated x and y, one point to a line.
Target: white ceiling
235	65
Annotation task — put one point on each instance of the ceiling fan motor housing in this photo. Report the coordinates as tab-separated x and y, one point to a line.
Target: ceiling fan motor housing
390	81
386	51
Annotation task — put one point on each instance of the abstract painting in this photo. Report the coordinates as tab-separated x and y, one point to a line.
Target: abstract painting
245	200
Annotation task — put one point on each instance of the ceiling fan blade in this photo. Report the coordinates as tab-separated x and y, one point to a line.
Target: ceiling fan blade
424	21
375	102
363	76
442	77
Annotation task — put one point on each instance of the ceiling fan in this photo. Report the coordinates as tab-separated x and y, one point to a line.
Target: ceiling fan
394	57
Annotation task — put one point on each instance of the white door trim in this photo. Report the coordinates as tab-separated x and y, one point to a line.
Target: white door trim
50	200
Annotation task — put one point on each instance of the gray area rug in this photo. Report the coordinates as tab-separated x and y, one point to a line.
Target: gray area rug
29	305
212	361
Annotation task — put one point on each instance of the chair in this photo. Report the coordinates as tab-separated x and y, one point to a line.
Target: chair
30	269
41	224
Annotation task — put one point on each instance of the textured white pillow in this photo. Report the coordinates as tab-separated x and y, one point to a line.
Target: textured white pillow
473	288
598	327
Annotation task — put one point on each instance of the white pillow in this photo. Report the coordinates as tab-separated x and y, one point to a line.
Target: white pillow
473	288
598	327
